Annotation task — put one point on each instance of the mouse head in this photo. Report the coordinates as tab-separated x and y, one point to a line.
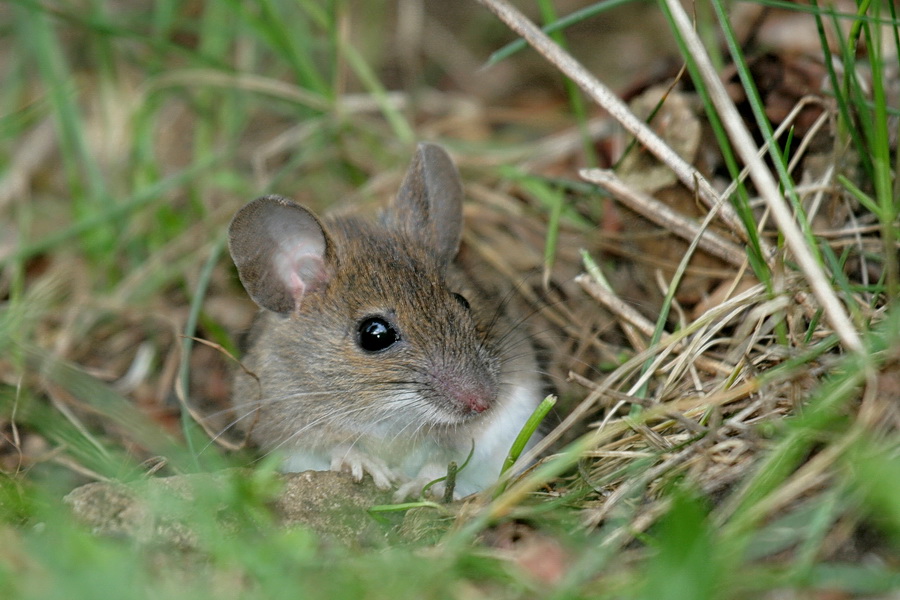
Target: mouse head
375	302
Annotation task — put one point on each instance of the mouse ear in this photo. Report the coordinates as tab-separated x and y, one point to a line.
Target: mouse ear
429	203
280	250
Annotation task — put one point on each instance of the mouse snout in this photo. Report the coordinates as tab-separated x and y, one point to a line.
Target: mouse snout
474	400
467	393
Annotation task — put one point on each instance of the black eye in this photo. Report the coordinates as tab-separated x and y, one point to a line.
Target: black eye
462	300
376	334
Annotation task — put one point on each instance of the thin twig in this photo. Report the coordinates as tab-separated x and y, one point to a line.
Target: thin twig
664	216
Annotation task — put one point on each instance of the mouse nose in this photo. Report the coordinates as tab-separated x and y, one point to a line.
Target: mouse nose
475	401
470	394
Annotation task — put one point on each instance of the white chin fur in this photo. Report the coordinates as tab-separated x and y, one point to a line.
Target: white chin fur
492	443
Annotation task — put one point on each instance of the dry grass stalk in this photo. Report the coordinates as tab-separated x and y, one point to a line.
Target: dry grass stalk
664	216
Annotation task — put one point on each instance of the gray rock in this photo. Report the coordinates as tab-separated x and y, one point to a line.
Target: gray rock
159	510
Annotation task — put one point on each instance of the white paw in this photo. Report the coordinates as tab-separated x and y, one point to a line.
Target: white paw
413	488
358	462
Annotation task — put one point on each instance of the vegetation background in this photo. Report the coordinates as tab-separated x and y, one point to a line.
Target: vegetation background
728	389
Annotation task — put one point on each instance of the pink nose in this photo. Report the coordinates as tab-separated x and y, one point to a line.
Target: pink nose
468	393
474	401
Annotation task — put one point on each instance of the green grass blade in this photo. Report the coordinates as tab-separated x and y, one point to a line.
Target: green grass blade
881	160
87	185
193	434
527	432
740	199
765	127
685	566
576	99
558	25
400	126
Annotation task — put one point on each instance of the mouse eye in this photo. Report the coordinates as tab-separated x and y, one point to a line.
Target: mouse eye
376	334
462	300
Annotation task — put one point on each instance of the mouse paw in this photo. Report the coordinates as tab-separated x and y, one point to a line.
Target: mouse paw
413	488
358	462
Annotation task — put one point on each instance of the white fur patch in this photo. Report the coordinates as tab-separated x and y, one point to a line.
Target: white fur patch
426	459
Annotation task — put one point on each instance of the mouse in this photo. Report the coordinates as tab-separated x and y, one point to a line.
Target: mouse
376	349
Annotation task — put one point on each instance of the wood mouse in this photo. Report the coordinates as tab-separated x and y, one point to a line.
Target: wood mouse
376	350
